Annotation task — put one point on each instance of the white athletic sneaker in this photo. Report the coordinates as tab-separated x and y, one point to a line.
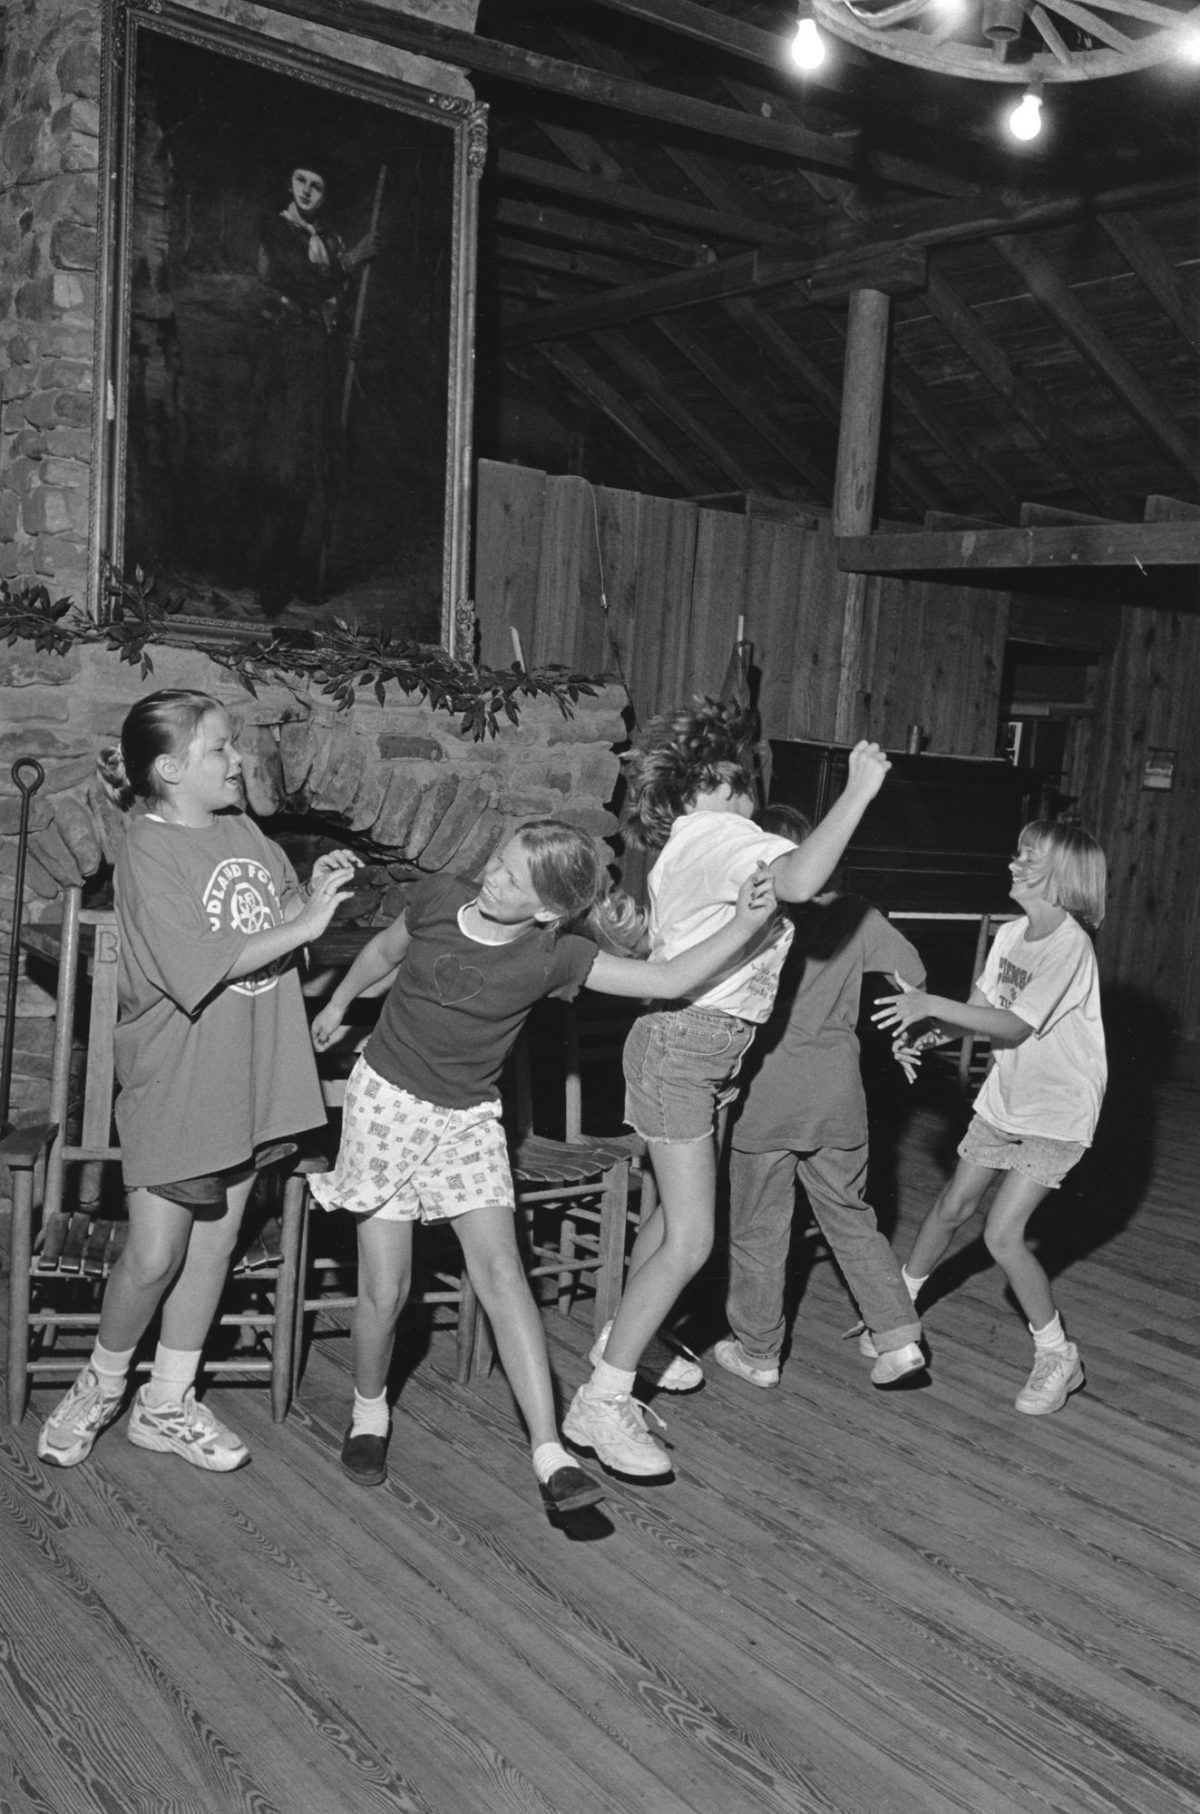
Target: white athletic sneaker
1056	1374
188	1429
730	1354
896	1364
615	1430
682	1373
67	1435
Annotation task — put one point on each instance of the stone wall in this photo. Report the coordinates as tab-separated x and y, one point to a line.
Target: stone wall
398	774
49	154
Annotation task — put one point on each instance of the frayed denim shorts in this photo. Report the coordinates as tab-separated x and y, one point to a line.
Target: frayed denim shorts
1044	1160
680	1069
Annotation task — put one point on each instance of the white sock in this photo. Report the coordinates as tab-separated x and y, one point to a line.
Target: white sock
370	1416
610	1382
914	1285
111	1369
548	1457
174	1370
1050	1338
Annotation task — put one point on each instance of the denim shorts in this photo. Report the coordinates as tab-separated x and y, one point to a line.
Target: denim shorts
1044	1160
680	1069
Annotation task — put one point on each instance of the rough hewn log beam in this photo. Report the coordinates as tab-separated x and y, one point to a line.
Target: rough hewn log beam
950	225
1010	550
1150	264
1064	307
989	359
864	376
486	56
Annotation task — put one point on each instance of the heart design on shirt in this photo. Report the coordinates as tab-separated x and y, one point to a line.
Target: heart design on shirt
456	981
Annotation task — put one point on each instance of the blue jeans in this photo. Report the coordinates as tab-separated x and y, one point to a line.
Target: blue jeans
680	1068
762	1202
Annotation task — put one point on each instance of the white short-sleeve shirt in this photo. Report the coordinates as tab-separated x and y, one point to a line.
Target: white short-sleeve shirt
693	891
1052	1084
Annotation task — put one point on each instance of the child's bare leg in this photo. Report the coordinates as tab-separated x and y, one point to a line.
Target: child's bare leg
686	1175
496	1271
957	1202
1004	1235
191	1303
384	1280
155	1249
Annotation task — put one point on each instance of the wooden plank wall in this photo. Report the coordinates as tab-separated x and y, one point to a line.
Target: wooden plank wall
653	589
1149	700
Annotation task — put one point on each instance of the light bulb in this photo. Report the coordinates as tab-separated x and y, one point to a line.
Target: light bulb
1025	120
808	46
1189	45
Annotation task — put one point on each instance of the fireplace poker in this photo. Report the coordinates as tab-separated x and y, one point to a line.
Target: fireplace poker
27	788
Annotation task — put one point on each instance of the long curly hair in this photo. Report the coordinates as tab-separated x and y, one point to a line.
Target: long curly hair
680	755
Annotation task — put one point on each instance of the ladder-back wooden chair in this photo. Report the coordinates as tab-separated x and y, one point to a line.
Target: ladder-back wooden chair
64	1247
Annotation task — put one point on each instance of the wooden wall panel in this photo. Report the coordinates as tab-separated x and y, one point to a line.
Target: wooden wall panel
510	505
1150	945
935	657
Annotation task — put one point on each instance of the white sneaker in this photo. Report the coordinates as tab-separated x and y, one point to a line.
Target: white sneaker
615	1430
1056	1374
730	1354
683	1373
896	1364
188	1429
66	1437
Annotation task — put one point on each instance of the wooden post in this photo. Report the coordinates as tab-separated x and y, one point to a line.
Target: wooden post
855	481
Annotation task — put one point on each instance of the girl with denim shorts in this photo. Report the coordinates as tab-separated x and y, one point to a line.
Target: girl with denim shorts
691	798
421	1133
1038	1002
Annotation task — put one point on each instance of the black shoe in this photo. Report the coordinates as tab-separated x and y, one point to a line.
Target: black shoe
364	1458
569	1489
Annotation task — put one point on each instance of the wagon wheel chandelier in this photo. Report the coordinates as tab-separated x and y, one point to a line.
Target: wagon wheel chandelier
1032	42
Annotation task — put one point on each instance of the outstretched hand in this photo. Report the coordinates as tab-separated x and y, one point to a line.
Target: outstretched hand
903	1010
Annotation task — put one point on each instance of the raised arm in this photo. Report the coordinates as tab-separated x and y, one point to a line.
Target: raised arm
803	872
690	970
378	957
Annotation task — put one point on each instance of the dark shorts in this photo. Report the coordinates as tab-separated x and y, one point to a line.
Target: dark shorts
209	1191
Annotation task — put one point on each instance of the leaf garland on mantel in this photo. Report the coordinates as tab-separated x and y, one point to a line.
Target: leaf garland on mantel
338	657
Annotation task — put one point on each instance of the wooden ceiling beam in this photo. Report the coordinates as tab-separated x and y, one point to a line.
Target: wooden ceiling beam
792	362
650	381
1144	545
644	204
1064	307
738	398
1048	516
509	63
590	267
599	236
1027	402
1151	266
914	397
947	226
566	362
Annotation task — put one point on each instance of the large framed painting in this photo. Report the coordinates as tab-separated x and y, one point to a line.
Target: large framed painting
288	332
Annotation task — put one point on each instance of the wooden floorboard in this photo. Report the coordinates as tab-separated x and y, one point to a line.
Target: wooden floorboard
846	1602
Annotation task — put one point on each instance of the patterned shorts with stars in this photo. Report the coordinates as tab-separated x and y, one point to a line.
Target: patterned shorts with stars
406	1160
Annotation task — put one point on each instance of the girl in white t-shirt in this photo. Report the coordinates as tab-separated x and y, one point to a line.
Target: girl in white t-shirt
691	799
1038	1002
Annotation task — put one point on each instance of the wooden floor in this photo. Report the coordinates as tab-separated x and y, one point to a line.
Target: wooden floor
846	1601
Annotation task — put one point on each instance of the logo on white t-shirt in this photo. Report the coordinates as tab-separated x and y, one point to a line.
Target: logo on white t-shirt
241	897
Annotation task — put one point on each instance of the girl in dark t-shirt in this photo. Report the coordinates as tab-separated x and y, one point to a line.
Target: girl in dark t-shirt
421	1133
